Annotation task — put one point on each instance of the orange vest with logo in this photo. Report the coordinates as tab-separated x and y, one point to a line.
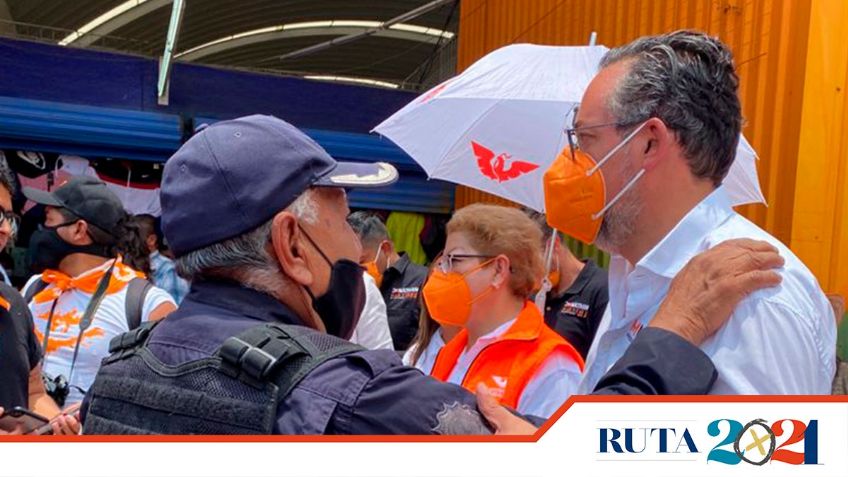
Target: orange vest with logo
507	365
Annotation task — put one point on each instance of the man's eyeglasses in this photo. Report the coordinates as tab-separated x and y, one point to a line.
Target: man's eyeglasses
446	262
573	134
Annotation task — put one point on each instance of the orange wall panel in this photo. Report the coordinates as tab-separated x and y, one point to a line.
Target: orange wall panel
820	226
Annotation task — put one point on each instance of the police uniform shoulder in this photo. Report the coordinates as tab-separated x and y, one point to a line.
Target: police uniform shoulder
343	378
377	360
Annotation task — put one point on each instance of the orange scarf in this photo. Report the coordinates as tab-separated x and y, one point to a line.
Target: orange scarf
87	282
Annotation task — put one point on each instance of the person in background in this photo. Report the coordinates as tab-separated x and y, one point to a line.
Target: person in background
491	266
840	380
578	297
20	352
430	337
12	221
398	278
163	272
83	294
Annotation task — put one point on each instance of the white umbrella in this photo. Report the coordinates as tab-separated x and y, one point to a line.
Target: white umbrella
499	125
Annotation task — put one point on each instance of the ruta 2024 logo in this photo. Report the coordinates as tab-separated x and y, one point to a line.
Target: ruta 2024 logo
755	443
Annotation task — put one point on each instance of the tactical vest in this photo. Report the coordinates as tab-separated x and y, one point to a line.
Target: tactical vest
235	391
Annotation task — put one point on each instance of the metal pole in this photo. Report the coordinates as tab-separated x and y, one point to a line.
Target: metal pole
356	36
168	55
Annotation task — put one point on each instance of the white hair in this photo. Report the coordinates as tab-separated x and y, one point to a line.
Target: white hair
304	207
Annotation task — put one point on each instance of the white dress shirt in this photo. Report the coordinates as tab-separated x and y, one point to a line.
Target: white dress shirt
372	330
547	390
780	340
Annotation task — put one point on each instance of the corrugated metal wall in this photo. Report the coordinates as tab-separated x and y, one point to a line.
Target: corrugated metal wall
47	126
768	39
820	225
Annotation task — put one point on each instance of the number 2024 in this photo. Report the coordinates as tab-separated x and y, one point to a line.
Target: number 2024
800	432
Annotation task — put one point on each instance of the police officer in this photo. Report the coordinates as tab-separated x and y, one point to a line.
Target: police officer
254	211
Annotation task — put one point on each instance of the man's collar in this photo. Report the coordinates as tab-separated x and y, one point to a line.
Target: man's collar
684	241
400	264
235	297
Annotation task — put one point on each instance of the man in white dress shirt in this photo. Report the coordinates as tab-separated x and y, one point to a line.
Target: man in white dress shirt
663	117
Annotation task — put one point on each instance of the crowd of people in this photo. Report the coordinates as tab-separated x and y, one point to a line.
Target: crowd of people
261	305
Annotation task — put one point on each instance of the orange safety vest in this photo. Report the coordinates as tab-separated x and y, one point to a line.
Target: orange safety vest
507	365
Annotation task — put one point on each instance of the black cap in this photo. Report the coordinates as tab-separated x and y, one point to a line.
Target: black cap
233	176
86	197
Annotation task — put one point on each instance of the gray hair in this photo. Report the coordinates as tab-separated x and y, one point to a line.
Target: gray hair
246	257
368	227
688	80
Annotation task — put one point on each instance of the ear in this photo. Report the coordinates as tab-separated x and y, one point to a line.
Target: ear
79	233
659	139
501	277
287	242
388	247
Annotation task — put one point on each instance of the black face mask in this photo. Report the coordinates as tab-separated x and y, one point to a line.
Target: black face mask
47	249
342	304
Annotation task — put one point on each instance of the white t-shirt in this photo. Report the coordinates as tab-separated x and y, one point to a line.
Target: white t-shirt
109	321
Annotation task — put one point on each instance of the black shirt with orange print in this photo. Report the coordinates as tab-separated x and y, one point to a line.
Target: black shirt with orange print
20	351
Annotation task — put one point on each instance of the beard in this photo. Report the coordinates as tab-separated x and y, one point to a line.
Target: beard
619	222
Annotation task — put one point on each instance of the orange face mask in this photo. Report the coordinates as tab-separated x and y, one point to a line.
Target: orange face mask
448	297
554	278
575	192
372	269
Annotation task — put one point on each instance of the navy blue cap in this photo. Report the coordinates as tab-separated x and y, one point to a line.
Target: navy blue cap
233	176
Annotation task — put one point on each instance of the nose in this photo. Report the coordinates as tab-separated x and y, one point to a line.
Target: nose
5	227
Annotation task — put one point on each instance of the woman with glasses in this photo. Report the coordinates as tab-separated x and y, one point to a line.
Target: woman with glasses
431	337
491	265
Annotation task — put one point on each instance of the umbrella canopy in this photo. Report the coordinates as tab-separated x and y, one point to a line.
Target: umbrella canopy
499	125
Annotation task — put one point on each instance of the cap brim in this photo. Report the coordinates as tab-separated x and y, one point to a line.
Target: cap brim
359	175
41	197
